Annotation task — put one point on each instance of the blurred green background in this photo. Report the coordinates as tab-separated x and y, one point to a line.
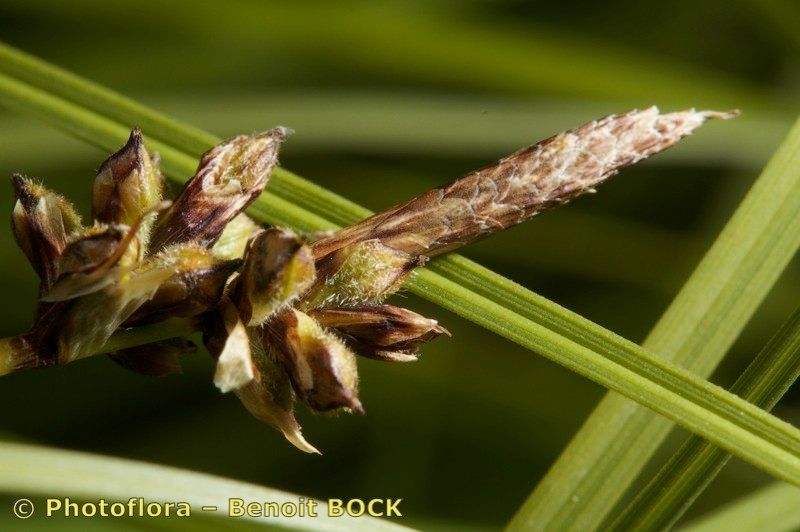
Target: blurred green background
389	99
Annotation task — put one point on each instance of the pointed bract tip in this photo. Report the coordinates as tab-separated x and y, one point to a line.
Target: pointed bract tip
705	114
357	407
280	132
394	356
135	138
23	188
277	133
720	115
709	114
297	439
18	181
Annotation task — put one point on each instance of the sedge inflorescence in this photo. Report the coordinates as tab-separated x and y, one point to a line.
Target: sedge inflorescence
284	315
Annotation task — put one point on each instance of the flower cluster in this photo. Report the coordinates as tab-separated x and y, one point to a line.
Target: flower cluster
283	315
278	328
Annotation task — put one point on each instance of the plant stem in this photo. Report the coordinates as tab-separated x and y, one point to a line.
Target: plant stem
14	353
146	334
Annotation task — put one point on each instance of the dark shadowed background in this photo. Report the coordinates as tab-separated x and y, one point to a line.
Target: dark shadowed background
387	100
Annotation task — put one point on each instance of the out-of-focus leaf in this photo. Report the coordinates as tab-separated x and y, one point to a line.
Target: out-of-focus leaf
775	507
31	469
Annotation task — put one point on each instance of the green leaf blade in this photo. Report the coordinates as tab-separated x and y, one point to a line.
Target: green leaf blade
695	464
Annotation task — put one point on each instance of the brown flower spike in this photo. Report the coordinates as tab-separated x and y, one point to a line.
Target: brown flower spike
284	318
523	184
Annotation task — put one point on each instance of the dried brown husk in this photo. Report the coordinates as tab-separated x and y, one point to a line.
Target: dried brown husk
128	186
322	369
278	269
229	178
41	221
382	332
196	285
93	259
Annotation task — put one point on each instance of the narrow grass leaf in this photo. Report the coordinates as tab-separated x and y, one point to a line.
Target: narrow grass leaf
696	463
